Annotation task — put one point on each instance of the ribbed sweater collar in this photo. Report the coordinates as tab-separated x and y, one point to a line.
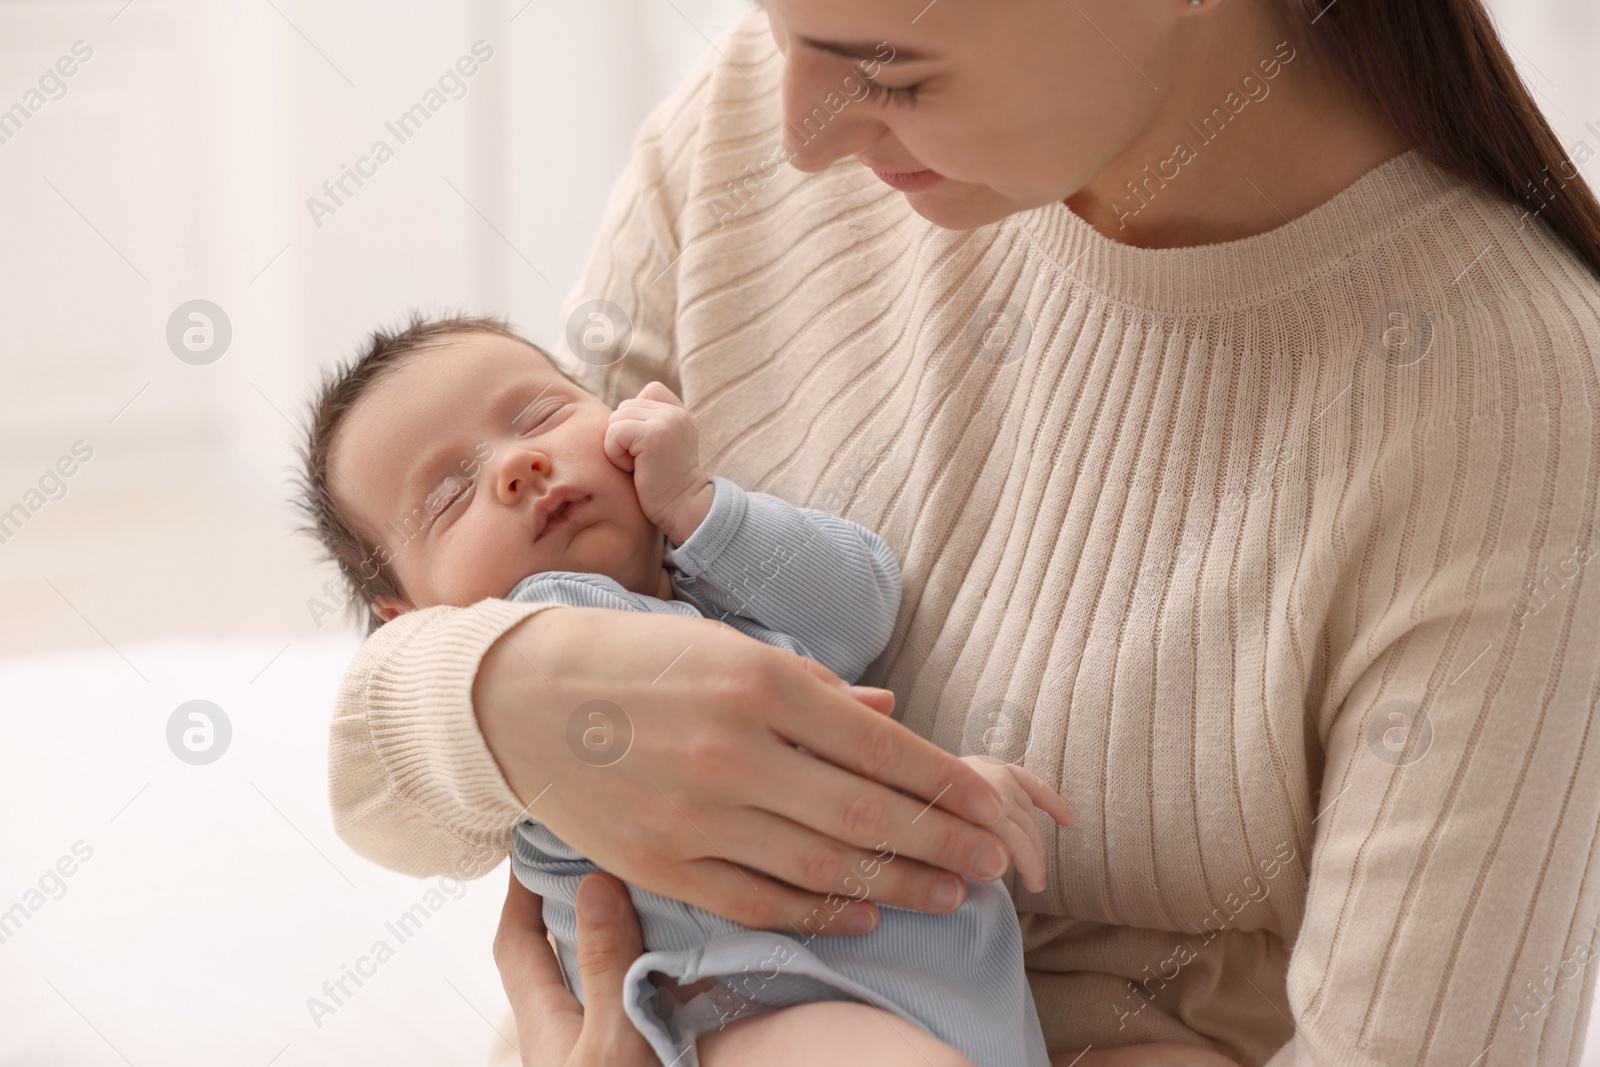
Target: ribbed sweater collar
1252	270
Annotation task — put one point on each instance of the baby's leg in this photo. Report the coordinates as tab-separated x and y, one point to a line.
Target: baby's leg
840	1033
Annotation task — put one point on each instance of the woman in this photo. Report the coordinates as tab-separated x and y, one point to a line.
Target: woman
1223	374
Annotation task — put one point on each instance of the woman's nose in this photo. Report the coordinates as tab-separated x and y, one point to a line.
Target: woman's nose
825	111
521	471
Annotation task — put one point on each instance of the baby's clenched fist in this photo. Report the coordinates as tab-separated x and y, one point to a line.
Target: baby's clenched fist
653	437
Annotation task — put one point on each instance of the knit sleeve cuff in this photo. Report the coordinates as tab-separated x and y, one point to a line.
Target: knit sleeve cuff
412	784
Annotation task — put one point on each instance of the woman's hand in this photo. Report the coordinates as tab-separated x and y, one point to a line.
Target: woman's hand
553	1029
1154	1054
697	790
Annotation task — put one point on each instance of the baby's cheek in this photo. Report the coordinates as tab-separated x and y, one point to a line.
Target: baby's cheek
487	564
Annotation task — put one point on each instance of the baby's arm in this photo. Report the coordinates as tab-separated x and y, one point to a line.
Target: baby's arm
1018	825
830	585
827	583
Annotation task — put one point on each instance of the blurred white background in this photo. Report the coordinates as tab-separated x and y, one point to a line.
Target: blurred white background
175	165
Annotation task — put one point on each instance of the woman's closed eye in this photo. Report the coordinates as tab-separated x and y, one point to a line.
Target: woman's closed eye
890	94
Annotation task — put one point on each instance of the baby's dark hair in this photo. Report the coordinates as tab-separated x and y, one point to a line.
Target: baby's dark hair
365	566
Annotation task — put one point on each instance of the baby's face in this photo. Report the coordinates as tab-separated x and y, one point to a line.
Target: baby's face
475	465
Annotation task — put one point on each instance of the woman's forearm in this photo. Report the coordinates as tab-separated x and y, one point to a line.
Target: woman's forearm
1153	1054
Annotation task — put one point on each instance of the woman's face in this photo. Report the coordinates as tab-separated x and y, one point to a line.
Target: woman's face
1018	103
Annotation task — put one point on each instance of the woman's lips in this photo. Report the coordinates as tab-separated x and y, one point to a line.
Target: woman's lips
909	181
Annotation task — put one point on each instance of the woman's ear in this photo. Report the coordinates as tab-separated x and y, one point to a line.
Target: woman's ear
387	607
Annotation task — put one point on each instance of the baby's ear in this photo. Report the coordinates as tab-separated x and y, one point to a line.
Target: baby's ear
387	607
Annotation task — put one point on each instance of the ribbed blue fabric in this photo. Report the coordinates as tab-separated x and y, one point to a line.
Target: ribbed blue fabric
797	578
829	589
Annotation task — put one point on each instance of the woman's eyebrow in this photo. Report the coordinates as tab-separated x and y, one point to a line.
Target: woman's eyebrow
857	50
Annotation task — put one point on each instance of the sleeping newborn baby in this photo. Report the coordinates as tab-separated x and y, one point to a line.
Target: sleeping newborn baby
454	461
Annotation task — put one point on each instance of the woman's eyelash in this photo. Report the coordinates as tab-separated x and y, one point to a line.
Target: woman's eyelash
892	94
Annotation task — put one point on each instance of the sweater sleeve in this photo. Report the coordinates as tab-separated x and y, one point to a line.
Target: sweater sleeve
1454	888
829	584
412	784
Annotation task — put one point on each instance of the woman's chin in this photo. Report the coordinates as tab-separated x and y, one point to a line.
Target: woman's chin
953	206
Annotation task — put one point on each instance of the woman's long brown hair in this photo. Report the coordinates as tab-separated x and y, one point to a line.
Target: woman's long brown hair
1438	71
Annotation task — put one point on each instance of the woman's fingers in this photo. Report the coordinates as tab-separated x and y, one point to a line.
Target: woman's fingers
608	943
714	720
831	810
548	1016
879	700
787	850
879	748
750	898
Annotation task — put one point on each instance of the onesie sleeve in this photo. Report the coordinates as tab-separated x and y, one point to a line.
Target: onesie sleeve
830	585
1454	888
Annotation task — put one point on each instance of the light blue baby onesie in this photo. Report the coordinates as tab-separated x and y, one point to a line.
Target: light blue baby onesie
829	589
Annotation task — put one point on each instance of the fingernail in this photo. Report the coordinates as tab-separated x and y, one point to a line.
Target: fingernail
988	861
596	901
947	894
861	921
985	808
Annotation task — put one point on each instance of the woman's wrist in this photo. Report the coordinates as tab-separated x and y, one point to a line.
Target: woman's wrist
509	687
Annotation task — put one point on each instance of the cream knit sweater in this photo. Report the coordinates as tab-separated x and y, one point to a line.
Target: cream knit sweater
1272	554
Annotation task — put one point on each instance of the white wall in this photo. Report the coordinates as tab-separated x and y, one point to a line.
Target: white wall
177	166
